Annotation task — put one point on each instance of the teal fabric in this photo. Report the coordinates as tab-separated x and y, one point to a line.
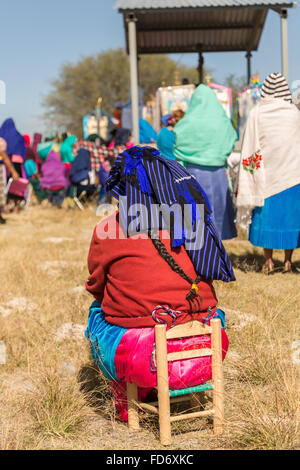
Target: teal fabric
276	225
147	133
187	391
30	168
165	143
43	149
66	149
104	338
40	193
205	136
221	315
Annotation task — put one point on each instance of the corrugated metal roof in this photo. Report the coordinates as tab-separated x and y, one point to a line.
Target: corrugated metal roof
165	4
197	25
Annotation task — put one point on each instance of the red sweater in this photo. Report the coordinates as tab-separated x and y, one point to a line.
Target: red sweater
129	278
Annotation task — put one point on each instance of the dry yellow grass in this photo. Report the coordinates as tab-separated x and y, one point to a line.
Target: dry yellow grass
52	397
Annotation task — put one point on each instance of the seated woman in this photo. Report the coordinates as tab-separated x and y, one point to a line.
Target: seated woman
81	175
31	170
53	179
145	271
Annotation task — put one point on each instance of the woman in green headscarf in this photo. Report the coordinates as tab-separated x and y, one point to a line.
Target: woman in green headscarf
204	140
66	149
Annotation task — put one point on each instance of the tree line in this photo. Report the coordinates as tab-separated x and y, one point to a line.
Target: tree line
75	91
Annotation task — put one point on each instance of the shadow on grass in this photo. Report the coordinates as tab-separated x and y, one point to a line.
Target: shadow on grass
253	262
95	388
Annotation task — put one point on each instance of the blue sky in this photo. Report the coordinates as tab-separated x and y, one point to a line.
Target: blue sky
37	37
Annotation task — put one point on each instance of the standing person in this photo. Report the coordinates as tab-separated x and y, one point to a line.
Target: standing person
30	153
37	139
269	176
117	113
5	162
66	149
66	152
204	140
166	137
15	144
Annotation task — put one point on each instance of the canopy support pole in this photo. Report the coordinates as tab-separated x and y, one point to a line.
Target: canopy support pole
200	65
248	56
284	44
133	78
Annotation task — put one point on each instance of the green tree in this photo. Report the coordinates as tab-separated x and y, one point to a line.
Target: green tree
76	90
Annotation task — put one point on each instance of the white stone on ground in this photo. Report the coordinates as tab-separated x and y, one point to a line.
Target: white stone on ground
77	290
17	304
54	267
2	353
238	319
57	239
70	330
66	369
19	382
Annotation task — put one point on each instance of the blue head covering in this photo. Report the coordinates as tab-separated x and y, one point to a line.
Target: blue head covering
147	133
15	141
165	118
145	177
80	167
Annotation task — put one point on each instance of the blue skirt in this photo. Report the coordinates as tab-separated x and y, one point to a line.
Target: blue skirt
276	225
214	181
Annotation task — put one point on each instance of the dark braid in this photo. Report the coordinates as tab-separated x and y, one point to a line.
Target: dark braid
193	293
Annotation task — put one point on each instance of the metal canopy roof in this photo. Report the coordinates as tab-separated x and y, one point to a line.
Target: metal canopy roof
166	26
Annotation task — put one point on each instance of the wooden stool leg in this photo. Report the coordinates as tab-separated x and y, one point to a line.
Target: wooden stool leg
163	385
217	375
133	414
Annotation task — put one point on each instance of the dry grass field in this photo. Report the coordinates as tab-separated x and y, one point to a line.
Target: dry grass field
53	397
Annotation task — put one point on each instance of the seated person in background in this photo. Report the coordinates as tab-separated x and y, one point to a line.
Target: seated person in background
32	174
53	178
166	137
152	274
81	175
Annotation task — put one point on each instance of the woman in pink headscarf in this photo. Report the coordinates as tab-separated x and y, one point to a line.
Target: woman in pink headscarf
53	173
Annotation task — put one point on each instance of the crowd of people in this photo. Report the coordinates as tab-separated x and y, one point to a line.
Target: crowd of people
263	194
186	164
58	168
261	198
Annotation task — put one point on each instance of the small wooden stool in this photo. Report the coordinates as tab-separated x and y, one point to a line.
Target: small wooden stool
167	396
